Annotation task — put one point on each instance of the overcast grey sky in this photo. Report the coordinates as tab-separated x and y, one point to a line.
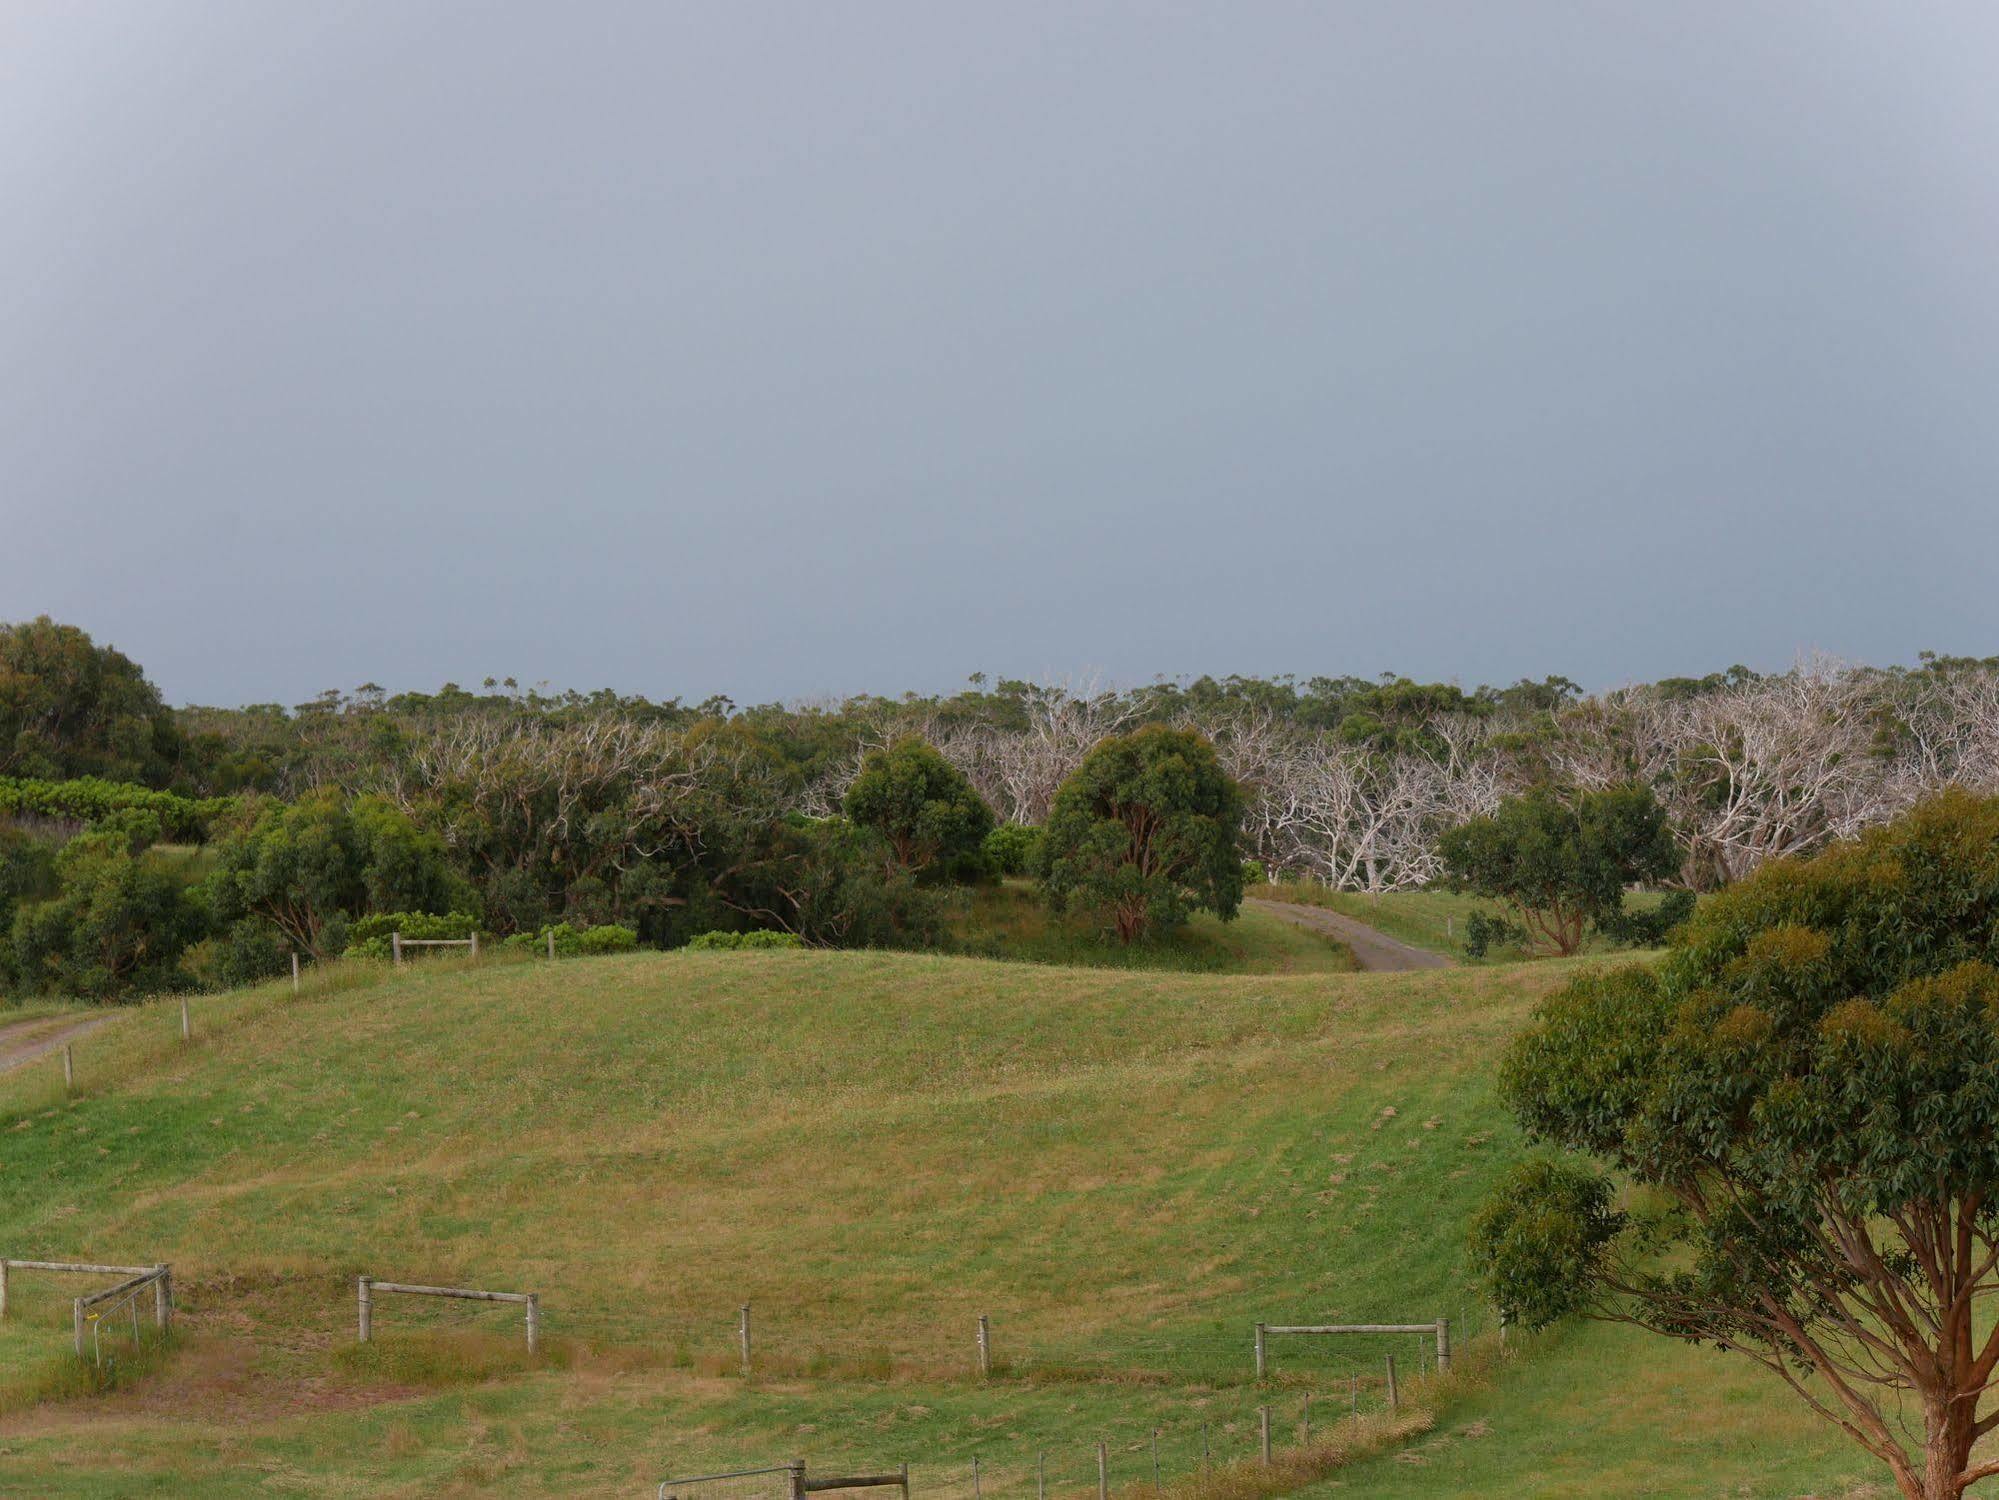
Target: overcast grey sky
802	348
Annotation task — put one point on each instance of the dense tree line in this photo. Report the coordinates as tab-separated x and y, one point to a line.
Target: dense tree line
837	822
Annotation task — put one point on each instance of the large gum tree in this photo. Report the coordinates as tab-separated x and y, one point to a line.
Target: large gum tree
1784	1141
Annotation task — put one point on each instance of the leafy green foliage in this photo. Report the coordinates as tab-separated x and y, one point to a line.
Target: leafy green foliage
1014	849
922	806
577	942
69	708
312	867
90	800
1144	832
1485	931
1806	1094
1562	866
117	925
372	936
729	942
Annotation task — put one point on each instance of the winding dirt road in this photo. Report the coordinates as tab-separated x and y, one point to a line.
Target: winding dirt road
21	1042
1373	949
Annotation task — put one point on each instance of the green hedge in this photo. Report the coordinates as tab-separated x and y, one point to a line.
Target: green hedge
369	936
578	941
710	942
90	800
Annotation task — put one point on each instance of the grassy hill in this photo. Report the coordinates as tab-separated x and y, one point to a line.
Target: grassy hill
1122	1170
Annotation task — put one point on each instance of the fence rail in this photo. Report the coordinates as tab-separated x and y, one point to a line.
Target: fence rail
367	1286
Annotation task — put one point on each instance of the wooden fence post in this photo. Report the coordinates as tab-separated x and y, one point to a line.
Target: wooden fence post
1155	1458
1443	1346
797	1467
475	942
743	1334
1103	1458
1263	1431
68	1067
1394	1398
163	1303
534	1323
1499	1315
396	948
551	945
186	1028
76	1320
367	1311
1305	1422
985	1346
3	1289
1259	1351
1041	1475
294	972
1353	1394
977	1492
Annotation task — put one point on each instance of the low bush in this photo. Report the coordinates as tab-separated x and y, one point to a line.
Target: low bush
715	942
572	942
368	937
1014	849
90	800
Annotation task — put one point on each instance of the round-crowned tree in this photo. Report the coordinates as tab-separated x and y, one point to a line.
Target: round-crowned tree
1144	833
932	818
1782	1142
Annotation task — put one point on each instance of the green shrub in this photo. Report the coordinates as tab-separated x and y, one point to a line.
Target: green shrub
324	861
117	925
578	942
717	942
90	800
368	937
1485	931
1014	849
930	816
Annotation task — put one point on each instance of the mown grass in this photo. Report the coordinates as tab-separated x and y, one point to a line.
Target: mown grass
1011	921
1432	918
1124	1170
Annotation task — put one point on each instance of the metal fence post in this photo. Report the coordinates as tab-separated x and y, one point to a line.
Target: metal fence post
743	1334
76	1317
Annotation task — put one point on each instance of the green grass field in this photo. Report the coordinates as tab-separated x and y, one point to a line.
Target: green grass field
1123	1170
1011	921
1433	918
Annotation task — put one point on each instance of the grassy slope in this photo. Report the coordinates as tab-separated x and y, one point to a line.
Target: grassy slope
1433	918
1011	921
1123	1170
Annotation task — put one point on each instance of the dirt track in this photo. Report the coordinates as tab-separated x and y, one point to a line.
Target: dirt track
1372	948
24	1041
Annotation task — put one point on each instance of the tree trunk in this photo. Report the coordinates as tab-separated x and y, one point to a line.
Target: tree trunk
1947	1448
